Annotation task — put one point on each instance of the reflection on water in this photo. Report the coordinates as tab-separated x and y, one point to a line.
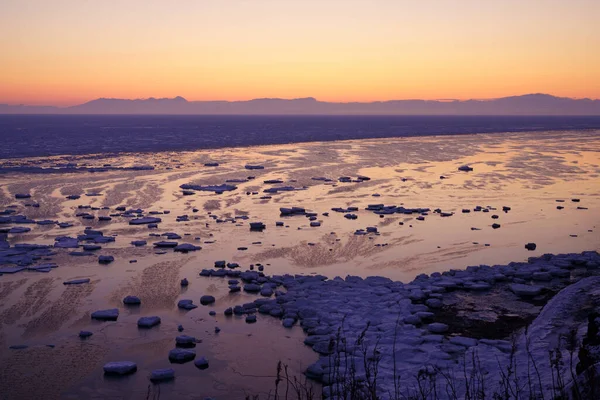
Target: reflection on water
526	172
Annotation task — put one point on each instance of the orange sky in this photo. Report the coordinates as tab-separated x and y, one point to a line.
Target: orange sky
66	52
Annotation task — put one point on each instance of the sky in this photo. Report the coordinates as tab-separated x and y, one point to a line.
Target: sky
65	52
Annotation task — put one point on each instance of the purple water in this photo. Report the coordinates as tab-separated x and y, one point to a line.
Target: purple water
46	135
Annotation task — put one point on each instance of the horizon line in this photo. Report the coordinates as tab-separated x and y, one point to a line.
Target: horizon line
296	98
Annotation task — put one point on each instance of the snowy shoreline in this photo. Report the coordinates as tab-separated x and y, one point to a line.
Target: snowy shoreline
354	322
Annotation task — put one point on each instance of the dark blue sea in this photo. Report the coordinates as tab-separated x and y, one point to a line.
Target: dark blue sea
46	135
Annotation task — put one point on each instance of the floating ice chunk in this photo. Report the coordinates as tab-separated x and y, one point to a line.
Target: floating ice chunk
120	368
315	371
186	247
106	315
525	290
185	341
77	281
530	246
412	320
145	221
104	239
437	327
81	253
161	375
463	341
65	242
42	267
10	270
148	322
541	276
165	244
252	288
480	286
201	363
181	356
105	259
132	300
417	295
186	304
209	188
289	322
206	300
19	229
257	226
434	303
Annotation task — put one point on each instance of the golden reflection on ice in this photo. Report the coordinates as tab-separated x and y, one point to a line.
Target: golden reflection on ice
526	171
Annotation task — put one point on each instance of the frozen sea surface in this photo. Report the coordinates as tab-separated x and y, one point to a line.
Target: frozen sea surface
533	174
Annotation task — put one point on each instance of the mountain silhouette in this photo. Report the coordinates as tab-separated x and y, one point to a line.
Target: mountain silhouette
529	104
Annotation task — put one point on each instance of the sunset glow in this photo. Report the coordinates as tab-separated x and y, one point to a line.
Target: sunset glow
66	52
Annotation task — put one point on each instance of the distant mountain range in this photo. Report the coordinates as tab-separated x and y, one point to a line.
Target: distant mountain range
529	104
